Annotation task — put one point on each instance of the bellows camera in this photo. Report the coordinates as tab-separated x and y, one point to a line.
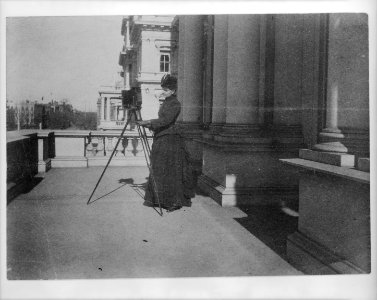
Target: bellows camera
130	99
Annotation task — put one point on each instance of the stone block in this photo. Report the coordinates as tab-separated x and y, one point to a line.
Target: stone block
69	146
335	159
236	196
363	164
245	174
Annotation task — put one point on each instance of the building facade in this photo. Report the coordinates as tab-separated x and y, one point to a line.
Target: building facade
276	110
145	58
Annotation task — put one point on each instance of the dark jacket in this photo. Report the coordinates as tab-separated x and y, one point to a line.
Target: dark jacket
167	115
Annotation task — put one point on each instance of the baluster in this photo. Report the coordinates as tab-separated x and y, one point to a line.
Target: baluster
89	148
109	145
125	145
134	143
100	147
139	148
114	143
95	145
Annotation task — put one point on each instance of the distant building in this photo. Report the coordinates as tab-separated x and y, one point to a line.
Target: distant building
31	114
146	57
110	112
22	113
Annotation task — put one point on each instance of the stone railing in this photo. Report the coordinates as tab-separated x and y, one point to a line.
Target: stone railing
32	152
94	148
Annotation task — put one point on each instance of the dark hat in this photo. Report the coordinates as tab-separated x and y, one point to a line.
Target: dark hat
169	81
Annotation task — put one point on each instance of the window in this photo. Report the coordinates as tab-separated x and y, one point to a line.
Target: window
165	62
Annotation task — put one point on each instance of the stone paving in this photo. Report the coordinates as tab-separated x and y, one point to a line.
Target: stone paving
53	234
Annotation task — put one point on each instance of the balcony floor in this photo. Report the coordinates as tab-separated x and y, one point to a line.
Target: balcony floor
53	234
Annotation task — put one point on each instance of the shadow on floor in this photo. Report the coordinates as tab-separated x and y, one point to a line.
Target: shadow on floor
270	225
23	187
138	188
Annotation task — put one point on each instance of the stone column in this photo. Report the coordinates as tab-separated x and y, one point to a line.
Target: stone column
181	63
190	85
243	69
108	109
102	108
347	101
220	65
288	56
190	90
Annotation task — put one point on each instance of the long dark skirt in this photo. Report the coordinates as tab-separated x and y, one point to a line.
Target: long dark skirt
172	173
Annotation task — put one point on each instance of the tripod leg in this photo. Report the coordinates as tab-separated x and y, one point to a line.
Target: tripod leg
108	162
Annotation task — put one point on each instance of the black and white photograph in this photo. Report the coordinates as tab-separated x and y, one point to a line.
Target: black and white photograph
184	154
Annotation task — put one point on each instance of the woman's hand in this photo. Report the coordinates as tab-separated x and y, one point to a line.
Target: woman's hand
146	123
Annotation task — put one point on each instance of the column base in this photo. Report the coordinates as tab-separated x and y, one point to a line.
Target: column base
331	158
244	169
244	196
353	141
336	147
44	165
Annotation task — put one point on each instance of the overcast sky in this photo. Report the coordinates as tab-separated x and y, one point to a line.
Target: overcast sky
62	57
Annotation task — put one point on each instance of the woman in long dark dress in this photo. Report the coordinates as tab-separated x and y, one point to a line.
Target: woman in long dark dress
169	158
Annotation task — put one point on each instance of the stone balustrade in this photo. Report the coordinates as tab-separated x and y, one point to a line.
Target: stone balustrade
32	152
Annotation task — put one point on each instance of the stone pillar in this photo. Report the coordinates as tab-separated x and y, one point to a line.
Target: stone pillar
44	161
347	101
102	108
181	63
220	65
190	83
108	109
243	69
288	56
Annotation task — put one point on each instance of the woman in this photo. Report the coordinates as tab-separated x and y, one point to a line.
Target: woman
169	159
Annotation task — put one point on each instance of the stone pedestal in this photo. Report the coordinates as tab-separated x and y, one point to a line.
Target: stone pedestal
44	144
246	173
334	220
240	158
